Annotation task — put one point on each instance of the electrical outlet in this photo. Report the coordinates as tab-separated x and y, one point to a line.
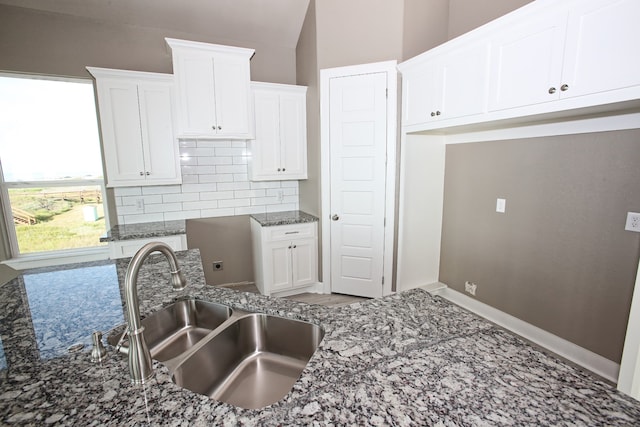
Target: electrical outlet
218	265
633	222
470	287
140	205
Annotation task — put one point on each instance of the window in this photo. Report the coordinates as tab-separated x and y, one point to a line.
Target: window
51	181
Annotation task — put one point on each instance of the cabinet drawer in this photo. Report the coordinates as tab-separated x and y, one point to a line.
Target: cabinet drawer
288	232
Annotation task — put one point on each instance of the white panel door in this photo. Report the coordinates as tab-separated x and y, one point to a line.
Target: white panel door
278	260
232	95
196	95
156	119
358	138
120	117
265	148
304	264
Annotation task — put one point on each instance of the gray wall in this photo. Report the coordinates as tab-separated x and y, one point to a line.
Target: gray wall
57	44
226	239
559	257
465	15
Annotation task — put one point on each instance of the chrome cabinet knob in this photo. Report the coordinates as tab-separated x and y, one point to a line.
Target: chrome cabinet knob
219	127
552	90
564	87
147	173
335	217
437	113
433	113
141	173
283	169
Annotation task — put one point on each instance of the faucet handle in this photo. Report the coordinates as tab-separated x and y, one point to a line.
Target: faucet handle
98	352
178	281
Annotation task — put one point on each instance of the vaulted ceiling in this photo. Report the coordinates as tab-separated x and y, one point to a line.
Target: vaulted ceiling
268	22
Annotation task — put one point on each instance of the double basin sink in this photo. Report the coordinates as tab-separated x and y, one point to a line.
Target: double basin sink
250	360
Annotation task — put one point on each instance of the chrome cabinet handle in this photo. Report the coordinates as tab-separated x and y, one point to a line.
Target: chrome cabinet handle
564	87
335	217
552	90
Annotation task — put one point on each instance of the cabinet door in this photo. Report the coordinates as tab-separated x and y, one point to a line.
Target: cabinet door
421	93
265	148
526	62
277	272
120	125
232	96
601	51
304	262
162	159
293	136
465	82
195	94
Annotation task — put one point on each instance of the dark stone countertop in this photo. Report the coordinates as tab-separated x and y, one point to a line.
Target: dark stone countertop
406	359
283	218
144	230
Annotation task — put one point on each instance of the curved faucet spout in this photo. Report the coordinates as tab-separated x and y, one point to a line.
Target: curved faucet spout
140	364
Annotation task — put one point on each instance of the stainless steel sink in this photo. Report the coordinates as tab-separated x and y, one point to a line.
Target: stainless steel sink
252	362
176	328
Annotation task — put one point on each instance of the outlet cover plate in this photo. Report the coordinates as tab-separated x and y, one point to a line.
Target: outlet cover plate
633	222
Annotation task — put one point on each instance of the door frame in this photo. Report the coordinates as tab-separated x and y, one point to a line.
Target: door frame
388	67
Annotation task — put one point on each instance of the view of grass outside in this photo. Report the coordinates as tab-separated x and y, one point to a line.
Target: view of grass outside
51	167
57	218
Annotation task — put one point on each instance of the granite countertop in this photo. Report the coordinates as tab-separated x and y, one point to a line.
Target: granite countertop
407	359
145	230
283	218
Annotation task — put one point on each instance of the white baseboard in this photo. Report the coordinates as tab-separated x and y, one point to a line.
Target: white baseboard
314	288
579	355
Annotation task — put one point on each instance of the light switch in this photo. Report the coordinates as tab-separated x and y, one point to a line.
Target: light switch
501	205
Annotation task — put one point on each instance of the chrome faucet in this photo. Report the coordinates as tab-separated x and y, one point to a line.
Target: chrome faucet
140	365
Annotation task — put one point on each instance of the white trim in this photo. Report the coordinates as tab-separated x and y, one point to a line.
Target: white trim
579	355
45	259
629	378
623	121
314	288
388	67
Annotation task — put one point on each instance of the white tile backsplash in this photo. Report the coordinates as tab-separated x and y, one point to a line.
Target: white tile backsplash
214	183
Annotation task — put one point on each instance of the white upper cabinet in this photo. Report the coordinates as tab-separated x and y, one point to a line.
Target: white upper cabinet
446	86
136	120
526	62
544	59
601	48
279	150
212	90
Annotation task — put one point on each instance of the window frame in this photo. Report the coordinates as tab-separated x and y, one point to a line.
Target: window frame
61	256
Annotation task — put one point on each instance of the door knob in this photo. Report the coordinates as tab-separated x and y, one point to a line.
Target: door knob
335	217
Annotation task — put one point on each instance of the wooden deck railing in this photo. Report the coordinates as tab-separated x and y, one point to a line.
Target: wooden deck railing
22	217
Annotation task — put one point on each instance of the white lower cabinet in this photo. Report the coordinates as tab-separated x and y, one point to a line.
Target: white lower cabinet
128	248
285	257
